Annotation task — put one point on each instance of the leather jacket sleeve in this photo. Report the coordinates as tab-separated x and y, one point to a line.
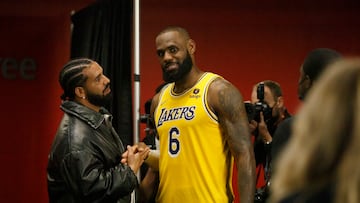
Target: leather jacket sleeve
84	161
85	174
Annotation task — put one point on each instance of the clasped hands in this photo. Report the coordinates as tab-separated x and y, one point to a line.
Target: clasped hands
135	155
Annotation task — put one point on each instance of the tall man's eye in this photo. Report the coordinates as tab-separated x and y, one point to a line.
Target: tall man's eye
160	53
173	49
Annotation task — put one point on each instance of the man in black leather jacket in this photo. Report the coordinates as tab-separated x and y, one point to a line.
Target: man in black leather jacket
85	160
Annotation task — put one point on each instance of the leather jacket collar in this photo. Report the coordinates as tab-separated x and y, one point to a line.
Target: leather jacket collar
93	118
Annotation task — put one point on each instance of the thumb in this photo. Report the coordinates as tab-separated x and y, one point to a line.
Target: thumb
261	116
130	149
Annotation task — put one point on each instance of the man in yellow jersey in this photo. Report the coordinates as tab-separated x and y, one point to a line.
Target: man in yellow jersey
202	125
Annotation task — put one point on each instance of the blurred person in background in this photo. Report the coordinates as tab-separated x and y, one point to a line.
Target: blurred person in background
316	61
320	163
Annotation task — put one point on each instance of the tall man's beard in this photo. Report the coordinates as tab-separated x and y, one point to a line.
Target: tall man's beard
181	72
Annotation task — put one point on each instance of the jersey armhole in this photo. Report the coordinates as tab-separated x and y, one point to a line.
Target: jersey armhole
210	112
161	93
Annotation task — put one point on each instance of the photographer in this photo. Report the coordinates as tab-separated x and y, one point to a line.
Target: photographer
265	112
148	175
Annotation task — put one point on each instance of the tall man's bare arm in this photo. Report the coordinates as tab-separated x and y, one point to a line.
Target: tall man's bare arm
228	104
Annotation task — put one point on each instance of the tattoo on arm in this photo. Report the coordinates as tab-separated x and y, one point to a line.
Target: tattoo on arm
232	117
235	129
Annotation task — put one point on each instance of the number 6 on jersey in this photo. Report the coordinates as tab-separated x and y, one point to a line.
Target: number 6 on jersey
174	143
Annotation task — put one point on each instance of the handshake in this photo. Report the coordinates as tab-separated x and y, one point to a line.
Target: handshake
135	155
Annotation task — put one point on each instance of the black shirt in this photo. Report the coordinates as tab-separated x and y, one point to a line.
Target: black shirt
281	136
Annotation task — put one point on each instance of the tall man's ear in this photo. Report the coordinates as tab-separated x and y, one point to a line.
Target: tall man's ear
191	46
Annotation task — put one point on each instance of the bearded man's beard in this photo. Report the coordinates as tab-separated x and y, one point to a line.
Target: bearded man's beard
181	72
99	100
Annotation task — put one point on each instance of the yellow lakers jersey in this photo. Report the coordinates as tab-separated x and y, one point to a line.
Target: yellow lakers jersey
194	166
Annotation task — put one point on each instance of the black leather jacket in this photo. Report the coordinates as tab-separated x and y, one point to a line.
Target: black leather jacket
84	162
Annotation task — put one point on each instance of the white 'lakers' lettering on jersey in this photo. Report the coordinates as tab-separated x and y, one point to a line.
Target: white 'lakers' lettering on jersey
176	113
194	164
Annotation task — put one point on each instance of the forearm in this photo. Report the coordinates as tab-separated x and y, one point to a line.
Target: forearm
153	159
148	185
266	137
246	177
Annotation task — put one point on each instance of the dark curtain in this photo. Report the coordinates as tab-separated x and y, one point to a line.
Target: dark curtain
102	32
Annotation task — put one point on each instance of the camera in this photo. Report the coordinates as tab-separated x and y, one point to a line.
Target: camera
261	195
145	118
253	110
150	126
